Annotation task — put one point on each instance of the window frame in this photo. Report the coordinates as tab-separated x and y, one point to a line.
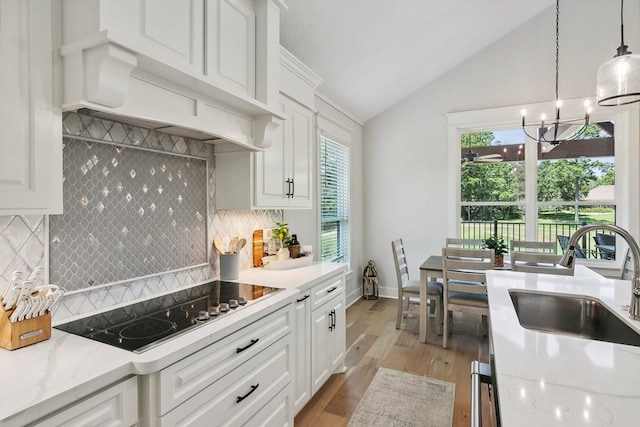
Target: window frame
625	130
346	254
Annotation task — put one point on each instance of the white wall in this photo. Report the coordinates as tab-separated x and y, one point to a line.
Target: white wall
306	222
405	148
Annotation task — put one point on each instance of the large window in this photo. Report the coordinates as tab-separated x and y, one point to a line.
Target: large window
524	190
334	200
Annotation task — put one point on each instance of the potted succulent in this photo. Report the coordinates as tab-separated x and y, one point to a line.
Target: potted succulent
499	247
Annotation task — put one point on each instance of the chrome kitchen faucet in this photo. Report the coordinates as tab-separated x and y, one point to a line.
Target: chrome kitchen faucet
569	257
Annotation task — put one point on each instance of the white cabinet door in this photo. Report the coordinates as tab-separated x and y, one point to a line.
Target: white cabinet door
320	357
169	31
302	352
328	340
299	134
338	336
117	406
231	44
284	172
30	122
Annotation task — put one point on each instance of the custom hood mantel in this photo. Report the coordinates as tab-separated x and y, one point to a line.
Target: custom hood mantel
206	66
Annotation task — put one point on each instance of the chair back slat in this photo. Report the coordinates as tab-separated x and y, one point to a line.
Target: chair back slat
402	270
534	262
530	246
464	243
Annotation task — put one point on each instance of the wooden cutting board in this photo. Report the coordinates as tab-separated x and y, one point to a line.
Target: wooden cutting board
257	248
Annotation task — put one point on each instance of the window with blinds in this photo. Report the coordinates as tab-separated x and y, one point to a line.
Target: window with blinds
334	200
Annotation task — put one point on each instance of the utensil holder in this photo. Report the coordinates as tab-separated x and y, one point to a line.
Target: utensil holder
229	265
23	333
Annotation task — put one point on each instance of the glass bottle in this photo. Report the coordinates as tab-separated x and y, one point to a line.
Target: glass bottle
294	246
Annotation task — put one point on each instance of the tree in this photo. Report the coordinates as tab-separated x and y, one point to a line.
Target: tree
557	179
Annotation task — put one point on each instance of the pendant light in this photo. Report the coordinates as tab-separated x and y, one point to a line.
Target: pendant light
619	78
549	136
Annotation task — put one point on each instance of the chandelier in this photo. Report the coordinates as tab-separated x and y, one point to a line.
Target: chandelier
549	135
619	78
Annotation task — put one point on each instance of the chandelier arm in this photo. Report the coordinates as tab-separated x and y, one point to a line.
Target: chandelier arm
535	138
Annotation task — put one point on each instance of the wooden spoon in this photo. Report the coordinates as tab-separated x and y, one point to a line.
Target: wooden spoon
217	243
233	244
240	244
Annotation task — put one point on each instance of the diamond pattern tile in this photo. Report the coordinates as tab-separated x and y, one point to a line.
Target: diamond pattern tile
94	236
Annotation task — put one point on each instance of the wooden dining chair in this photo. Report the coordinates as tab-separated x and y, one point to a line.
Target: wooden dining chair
453	242
464	283
626	272
536	262
408	288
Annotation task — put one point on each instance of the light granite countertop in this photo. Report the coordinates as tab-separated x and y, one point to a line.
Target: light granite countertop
49	375
552	379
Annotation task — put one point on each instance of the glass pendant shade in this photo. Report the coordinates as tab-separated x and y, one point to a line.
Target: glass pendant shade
618	81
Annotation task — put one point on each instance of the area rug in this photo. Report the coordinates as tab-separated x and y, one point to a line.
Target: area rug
396	398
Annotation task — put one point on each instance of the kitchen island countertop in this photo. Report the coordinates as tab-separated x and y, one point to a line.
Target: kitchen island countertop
553	379
49	375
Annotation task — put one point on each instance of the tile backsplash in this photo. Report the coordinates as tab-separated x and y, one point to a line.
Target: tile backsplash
26	241
127	213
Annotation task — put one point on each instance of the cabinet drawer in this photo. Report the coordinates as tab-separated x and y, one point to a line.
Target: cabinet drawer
240	394
187	377
324	292
115	406
276	413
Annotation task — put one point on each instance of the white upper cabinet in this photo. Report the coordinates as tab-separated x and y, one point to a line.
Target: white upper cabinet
280	177
170	31
231	52
285	170
204	65
30	122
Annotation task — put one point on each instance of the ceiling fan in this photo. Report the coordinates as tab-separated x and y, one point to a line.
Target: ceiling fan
474	158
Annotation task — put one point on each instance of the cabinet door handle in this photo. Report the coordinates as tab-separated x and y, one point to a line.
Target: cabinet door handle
303	298
331	320
241	349
289	192
332	289
241	398
293	188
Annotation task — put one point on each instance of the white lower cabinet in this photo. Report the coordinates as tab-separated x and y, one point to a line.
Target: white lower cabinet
241	394
229	382
302	352
115	406
319	336
328	341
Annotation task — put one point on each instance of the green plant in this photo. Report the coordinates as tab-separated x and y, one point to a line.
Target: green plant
282	233
496	243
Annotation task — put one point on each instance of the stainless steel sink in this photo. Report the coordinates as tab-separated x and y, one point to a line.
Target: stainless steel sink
578	316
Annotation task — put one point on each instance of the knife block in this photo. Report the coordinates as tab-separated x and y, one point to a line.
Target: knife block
20	334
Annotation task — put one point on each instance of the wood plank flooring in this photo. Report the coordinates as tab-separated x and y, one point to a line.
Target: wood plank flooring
373	342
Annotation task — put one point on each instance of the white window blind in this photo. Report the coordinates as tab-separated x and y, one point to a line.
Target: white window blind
334	200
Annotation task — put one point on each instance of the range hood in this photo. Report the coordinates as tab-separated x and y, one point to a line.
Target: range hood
119	67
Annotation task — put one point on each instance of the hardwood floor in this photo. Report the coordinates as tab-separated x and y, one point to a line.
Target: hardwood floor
373	341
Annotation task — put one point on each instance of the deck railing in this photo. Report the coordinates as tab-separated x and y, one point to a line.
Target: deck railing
547	232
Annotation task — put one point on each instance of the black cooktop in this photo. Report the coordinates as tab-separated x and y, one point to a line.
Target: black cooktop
143	325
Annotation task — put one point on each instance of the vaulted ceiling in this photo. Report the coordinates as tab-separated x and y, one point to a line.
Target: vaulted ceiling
373	53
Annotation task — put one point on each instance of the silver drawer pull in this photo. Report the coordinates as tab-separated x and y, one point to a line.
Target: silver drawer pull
241	349
241	398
